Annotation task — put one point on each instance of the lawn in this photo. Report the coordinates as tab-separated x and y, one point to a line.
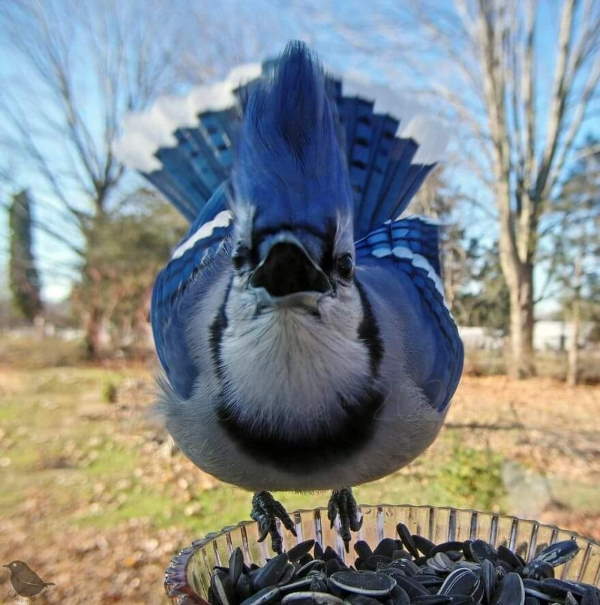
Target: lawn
96	499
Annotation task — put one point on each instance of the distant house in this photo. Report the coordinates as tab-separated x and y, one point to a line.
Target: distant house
547	336
557	335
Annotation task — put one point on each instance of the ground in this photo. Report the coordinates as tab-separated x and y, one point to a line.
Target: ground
96	499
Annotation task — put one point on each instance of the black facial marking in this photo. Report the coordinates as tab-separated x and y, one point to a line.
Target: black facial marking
345	266
258	235
305	454
240	256
368	331
217	328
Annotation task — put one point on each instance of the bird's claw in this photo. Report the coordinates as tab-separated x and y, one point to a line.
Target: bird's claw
265	511
343	504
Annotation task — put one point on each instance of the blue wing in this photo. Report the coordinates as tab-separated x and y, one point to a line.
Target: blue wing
172	299
413	245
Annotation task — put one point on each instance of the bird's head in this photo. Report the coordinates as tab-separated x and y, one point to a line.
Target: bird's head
293	237
16	566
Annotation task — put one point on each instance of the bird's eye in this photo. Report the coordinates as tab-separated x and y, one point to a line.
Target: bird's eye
240	255
345	266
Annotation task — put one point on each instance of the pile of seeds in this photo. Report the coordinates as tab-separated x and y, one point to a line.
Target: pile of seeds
404	571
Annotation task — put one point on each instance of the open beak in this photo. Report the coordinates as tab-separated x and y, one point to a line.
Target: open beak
288	269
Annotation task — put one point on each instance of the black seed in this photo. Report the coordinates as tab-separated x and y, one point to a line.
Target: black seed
271	573
559	588
363	582
488	579
559	553
411	586
399	596
423	544
236	565
511	591
318	551
304	560
311	598
359	599
446	547
375	561
243	586
333	565
481	550
314	565
407	540
222	589
385	548
591	597
300	550
538	570
265	595
460	582
509	557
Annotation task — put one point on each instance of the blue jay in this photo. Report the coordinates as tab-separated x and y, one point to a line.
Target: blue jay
301	326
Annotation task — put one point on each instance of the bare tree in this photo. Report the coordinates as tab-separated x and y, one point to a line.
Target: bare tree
520	91
577	250
81	66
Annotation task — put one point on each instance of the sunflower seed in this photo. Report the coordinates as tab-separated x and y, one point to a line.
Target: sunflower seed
311	598
271	573
511	591
559	553
263	596
460	582
236	565
363	582
407	540
299	550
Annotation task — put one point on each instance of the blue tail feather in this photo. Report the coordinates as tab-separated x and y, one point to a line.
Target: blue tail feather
382	176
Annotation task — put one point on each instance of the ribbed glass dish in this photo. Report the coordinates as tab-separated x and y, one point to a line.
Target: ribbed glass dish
188	577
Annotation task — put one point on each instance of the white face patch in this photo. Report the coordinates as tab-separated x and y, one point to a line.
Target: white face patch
286	368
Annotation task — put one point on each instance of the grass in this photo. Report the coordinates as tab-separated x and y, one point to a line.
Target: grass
101	484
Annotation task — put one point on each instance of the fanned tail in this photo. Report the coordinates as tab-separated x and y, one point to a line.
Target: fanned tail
193	170
382	174
382	169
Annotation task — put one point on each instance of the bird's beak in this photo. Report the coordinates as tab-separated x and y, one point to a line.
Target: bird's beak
287	270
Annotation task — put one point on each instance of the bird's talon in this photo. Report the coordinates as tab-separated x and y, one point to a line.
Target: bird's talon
343	504
265	511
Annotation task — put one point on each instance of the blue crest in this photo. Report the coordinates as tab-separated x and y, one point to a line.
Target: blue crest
290	163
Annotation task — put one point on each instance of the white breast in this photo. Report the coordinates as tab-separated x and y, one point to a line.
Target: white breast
288	369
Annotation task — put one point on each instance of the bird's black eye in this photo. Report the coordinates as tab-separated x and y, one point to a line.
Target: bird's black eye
240	256
345	266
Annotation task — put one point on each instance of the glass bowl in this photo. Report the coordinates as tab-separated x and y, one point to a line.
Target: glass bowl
188	577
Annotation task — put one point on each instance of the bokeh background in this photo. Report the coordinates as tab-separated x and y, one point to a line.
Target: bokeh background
94	495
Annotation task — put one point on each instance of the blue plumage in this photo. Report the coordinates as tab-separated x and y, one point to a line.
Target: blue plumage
299	313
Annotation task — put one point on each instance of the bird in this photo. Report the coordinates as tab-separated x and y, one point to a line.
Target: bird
300	324
24	580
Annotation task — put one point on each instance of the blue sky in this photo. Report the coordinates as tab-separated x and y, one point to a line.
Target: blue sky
260	27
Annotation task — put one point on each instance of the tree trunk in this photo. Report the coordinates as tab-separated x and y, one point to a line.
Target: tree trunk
573	365
94	333
573	355
519	280
521	325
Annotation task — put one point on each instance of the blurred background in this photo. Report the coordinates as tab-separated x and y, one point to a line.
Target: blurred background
94	496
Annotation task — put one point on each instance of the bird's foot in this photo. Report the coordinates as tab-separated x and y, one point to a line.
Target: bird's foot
265	511
343	504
